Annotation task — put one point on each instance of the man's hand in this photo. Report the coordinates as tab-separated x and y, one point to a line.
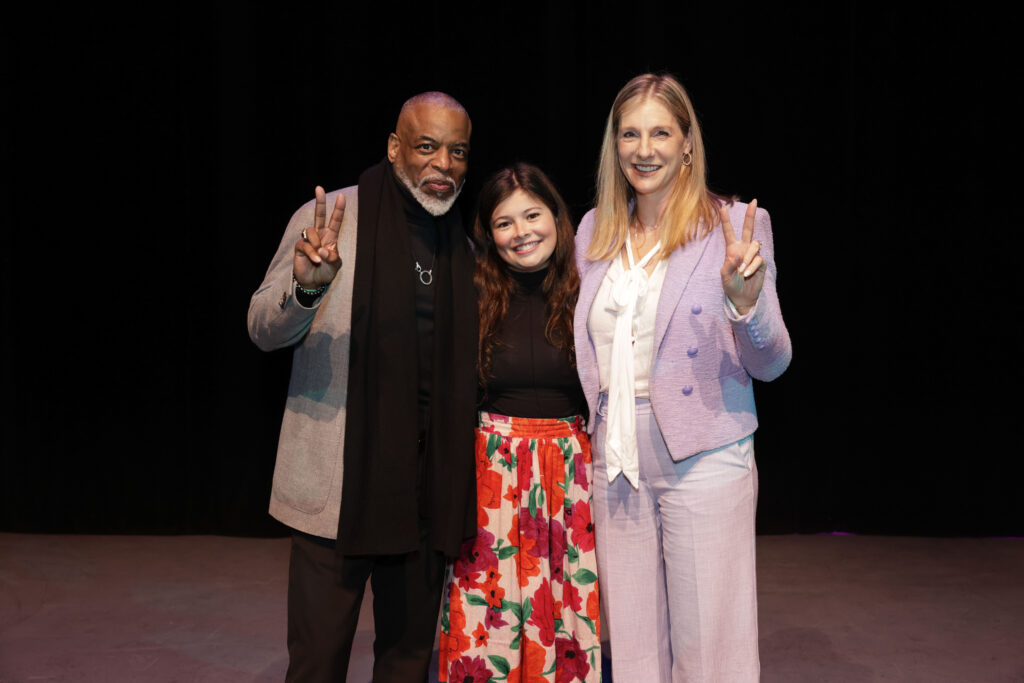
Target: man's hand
316	253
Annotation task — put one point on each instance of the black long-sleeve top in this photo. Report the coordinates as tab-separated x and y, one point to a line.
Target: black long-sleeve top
529	376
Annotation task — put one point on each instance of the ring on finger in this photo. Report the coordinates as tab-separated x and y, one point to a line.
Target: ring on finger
305	237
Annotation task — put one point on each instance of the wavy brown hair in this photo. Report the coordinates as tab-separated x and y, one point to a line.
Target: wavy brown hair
495	286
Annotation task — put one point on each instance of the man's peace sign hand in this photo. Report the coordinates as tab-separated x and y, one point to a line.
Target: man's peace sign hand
316	253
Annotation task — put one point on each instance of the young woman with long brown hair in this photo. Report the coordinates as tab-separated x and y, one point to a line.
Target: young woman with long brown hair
522	600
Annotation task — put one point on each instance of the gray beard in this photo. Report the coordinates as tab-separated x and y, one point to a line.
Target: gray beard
433	205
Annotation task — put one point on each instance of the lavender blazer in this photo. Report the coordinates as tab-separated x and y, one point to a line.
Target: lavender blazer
701	391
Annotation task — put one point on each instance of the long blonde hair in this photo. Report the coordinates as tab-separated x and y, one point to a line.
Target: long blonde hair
692	210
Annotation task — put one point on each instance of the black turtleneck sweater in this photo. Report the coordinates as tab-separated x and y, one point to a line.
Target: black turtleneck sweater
529	376
423	242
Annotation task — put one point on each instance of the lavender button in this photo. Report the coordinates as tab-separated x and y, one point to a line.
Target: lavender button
687	390
692	352
696	309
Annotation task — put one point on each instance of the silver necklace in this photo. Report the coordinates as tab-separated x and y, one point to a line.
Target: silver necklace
641	234
426	275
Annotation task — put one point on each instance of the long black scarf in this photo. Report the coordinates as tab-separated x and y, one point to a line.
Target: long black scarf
380	502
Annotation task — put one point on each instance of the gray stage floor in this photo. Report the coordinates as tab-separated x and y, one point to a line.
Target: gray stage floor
209	608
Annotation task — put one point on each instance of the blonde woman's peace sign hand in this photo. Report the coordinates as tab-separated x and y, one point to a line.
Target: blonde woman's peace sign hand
743	270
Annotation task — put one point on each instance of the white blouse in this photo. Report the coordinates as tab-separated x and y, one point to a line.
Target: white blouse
621	325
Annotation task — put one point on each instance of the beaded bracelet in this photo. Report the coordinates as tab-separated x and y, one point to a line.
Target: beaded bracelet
311	292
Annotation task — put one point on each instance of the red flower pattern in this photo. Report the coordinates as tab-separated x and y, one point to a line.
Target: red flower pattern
580	470
572	661
480	635
571	597
582	527
479	557
493	619
512	495
494	593
557	541
524	464
454	640
514	581
543	613
535	529
473	670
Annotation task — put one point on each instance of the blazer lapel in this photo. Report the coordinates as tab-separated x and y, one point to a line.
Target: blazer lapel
681	266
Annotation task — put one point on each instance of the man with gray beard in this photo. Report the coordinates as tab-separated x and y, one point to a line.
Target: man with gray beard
378	304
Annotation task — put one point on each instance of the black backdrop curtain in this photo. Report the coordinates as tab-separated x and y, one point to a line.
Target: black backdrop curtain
153	156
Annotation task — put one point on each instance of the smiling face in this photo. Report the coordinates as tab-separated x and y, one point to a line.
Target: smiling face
650	146
430	154
523	229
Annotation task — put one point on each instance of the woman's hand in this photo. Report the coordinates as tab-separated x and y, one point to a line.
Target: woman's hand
743	270
316	259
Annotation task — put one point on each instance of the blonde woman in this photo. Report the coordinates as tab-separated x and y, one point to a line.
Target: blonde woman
677	312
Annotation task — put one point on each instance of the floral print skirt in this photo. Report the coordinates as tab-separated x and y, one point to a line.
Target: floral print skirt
521	601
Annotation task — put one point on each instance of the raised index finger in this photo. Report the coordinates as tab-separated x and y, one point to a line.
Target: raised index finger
748	221
320	209
727	231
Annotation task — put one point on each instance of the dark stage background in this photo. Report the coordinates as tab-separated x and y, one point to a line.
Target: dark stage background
154	156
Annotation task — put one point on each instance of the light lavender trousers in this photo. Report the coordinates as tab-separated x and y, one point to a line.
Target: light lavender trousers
676	561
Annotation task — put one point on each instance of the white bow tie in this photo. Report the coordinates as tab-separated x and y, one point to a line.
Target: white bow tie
628	293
